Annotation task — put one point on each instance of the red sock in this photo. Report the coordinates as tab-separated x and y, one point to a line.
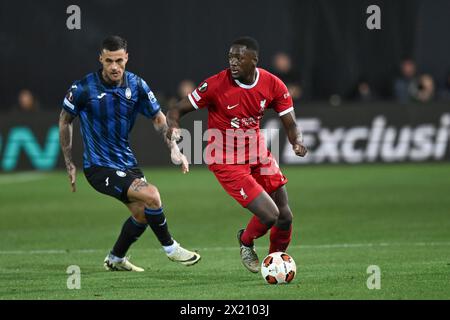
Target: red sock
254	230
279	239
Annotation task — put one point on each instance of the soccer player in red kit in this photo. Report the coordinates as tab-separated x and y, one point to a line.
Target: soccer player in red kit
236	99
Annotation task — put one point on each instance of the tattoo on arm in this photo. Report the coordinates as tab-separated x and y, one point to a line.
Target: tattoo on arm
138	184
65	135
160	124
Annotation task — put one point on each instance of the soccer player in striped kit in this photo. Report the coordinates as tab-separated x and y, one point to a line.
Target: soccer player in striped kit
107	103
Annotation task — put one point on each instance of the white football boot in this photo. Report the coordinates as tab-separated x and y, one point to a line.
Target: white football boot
123	264
183	256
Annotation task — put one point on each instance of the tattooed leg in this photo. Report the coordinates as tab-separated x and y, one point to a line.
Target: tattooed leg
138	184
147	193
143	192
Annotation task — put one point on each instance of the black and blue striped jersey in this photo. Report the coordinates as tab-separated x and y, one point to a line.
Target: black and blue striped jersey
107	115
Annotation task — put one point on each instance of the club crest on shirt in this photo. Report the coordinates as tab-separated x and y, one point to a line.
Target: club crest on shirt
128	93
203	87
121	173
262	105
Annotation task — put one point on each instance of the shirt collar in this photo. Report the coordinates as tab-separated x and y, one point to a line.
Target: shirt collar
248	86
107	85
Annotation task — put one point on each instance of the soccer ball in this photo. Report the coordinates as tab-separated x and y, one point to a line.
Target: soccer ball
278	267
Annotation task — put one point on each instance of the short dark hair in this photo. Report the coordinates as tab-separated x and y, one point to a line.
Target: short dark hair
248	42
114	43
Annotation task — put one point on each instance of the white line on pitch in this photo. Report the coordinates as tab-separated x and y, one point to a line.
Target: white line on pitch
305	246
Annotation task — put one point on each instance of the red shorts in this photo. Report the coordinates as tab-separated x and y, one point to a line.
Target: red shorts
244	182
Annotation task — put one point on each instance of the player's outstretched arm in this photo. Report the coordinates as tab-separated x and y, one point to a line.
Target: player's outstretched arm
294	134
175	113
65	141
160	124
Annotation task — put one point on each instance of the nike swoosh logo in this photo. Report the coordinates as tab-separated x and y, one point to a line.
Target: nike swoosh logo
101	95
232	107
190	259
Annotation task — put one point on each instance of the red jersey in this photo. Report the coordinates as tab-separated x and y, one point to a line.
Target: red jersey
235	108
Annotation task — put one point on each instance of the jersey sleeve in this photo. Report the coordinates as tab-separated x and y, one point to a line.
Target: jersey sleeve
202	97
74	100
148	105
282	102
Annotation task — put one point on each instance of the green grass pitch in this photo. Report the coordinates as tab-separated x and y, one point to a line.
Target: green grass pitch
346	218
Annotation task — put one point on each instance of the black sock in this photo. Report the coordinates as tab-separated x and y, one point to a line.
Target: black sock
157	221
131	231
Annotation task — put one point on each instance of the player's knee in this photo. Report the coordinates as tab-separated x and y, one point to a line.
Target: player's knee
285	213
271	217
285	217
152	198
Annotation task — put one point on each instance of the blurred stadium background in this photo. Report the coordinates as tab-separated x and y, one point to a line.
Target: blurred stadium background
374	106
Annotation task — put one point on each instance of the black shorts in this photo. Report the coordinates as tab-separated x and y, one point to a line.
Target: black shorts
113	182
